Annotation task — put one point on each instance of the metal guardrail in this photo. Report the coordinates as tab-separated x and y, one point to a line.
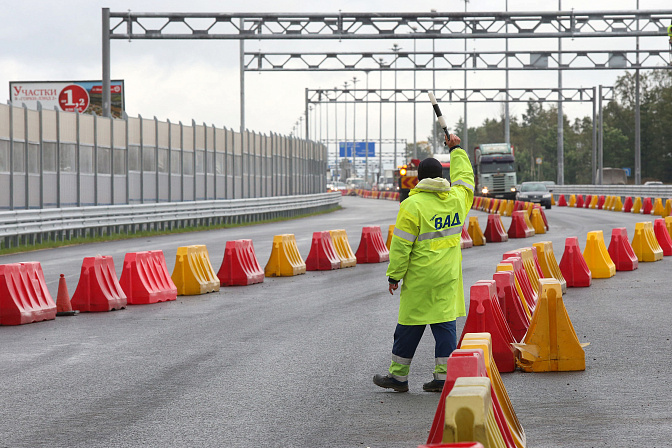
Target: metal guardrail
25	227
643	191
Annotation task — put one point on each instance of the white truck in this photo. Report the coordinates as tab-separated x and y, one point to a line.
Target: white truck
495	170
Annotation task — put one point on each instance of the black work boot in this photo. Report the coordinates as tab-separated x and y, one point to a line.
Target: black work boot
433	386
390	383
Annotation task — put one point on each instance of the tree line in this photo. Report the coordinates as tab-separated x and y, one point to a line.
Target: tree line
535	134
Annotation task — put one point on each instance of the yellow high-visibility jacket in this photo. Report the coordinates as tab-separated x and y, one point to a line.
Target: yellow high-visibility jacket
425	252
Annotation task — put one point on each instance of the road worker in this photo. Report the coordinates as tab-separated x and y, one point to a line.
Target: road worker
425	255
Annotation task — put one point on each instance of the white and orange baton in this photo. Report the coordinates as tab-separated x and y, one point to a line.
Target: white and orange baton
437	111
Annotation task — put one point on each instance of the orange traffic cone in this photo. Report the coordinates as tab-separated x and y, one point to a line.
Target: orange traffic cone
63	306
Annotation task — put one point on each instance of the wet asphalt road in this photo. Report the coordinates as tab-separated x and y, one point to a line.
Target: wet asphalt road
288	363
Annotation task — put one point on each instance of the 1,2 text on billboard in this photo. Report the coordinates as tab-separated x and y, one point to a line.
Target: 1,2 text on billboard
70	96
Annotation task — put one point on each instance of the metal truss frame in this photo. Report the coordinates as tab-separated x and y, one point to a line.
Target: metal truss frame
594	95
423	25
487	95
433	25
259	61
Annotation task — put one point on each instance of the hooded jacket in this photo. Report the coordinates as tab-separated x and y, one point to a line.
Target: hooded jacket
425	251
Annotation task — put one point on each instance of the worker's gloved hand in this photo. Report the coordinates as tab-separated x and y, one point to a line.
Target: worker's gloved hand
453	141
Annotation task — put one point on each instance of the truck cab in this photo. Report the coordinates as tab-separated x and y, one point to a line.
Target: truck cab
495	170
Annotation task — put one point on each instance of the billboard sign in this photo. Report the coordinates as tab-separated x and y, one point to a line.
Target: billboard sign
70	96
360	149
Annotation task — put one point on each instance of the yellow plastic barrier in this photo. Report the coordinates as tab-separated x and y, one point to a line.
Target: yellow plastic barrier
645	244
637	206
607	203
510	204
470	416
502	207
193	274
521	296
343	249
550	344
528	223
475	232
593	201
472	341
538	222
530	207
668	224
549	264
552	200
658	208
597	257
485	204
390	232
493	206
572	200
617	206
668	208
530	267
285	259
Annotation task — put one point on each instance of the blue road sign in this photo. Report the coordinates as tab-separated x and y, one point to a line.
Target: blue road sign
627	171
360	149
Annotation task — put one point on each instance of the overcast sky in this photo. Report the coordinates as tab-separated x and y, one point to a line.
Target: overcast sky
185	80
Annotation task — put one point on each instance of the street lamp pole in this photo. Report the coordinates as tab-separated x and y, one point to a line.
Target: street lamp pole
338	147
380	123
366	147
345	121
396	49
354	124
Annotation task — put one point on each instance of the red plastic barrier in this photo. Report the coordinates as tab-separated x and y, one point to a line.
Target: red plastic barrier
518	205
627	206
573	266
465	363
145	279
240	266
523	279
579	201
600	202
24	297
98	288
562	202
485	316
465	239
494	231
322	256
47	306
518	227
621	252
372	247
453	445
511	304
586	203
647	207
663	236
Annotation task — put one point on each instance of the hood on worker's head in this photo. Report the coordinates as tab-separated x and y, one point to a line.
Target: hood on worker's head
437	185
429	168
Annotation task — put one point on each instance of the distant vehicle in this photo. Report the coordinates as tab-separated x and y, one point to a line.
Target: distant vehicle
495	170
336	186
386	184
653	182
534	192
356	183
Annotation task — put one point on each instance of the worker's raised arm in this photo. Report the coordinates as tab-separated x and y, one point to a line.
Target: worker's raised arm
461	172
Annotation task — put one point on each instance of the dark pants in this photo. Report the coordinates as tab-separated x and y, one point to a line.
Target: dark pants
406	340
